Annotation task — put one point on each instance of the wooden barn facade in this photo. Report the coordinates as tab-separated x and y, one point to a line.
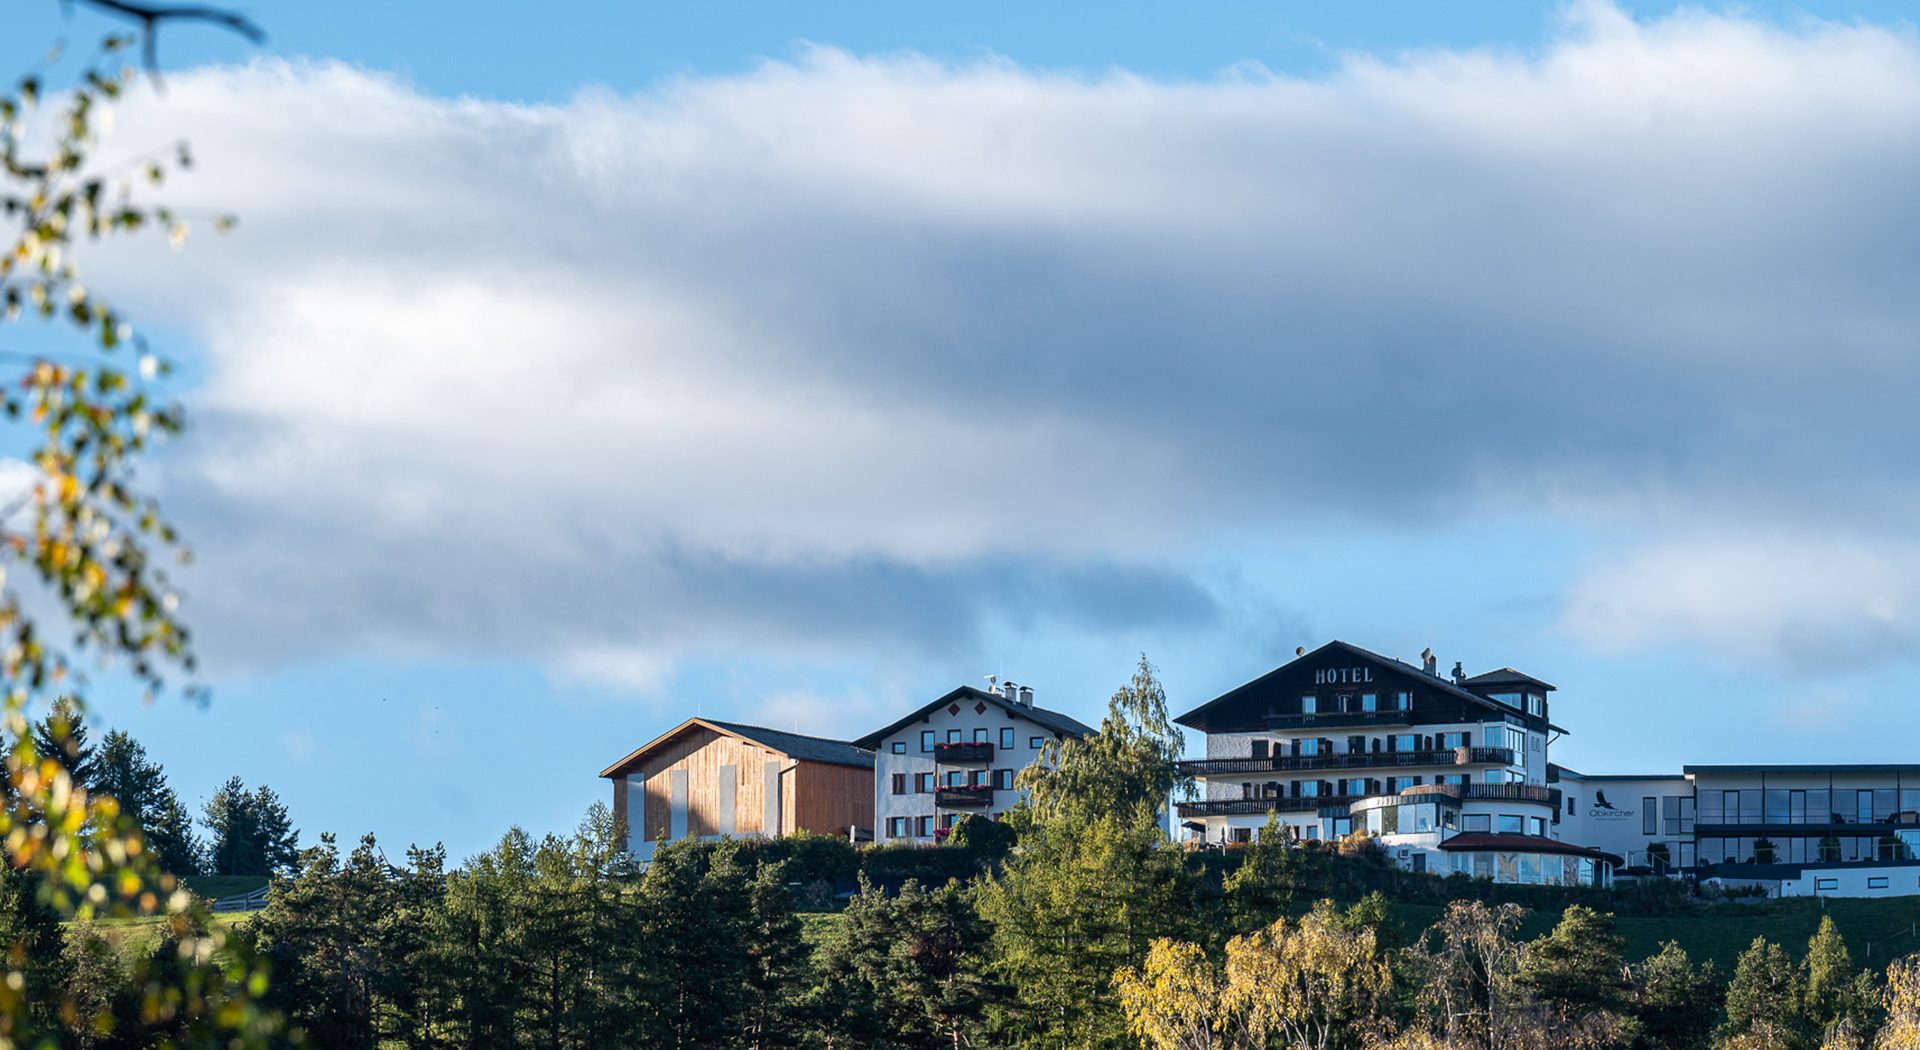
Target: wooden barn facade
711	779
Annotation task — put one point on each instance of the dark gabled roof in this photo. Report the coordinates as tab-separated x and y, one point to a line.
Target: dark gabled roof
805	748
1485	841
1039	716
1445	685
793	745
1506	676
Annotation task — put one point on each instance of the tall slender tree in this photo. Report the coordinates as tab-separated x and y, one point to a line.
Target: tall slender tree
123	771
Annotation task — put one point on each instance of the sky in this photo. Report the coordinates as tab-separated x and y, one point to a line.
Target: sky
570	375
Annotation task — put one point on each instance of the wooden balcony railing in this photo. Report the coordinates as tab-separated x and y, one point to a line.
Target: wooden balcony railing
966	752
1451	756
963	797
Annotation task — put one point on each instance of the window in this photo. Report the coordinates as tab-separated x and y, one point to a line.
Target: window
896	827
980	735
1003	779
1537	826
1309	705
1402	701
1730	806
1877	883
978	778
1509	699
1649	816
899	783
1826	884
1536	706
1569	805
1006	738
956	778
1369	701
1306	747
899	747
953	736
926	740
923	783
924	826
1863	806
1483	865
1404	742
1775	801
1476	822
1511	824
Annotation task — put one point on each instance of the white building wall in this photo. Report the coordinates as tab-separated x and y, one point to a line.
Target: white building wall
1617	824
912	760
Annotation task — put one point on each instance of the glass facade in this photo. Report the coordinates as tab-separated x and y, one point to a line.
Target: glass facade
1842	805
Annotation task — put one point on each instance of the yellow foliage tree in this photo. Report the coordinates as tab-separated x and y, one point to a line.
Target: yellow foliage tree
1301	986
1902	1000
1176	1000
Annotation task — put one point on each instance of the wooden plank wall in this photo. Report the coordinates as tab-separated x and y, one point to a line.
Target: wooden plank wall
832	797
814	796
700	752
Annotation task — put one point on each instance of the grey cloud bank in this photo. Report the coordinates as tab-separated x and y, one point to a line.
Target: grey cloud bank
852	353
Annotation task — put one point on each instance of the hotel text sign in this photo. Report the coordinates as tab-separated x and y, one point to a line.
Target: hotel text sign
1343	676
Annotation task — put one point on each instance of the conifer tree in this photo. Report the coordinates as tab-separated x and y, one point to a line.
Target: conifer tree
62	736
122	770
1095	879
1675	1003
1763	1002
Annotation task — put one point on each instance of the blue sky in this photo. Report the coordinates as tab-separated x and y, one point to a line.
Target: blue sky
575	373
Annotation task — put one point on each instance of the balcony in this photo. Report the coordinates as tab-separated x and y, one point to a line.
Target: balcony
963	753
1452	756
978	797
1545	796
1254	807
1321	719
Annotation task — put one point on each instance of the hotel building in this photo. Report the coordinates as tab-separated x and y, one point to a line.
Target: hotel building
1451	775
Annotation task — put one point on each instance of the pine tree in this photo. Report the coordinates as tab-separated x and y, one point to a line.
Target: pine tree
694	909
1675	1003
62	736
1095	880
776	963
122	770
1763	1002
1577	969
251	832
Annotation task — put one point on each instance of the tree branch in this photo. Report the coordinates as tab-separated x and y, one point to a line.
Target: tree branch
150	16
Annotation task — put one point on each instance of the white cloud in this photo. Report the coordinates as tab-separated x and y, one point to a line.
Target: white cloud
850	353
1811	603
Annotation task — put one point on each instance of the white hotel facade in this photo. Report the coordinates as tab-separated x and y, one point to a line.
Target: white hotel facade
1452	774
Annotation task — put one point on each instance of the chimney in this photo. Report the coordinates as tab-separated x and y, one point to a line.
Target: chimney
1026	696
1429	662
1459	673
1010	691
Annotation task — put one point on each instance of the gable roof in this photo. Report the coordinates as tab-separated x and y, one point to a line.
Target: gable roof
793	745
1445	685
1039	716
1506	676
